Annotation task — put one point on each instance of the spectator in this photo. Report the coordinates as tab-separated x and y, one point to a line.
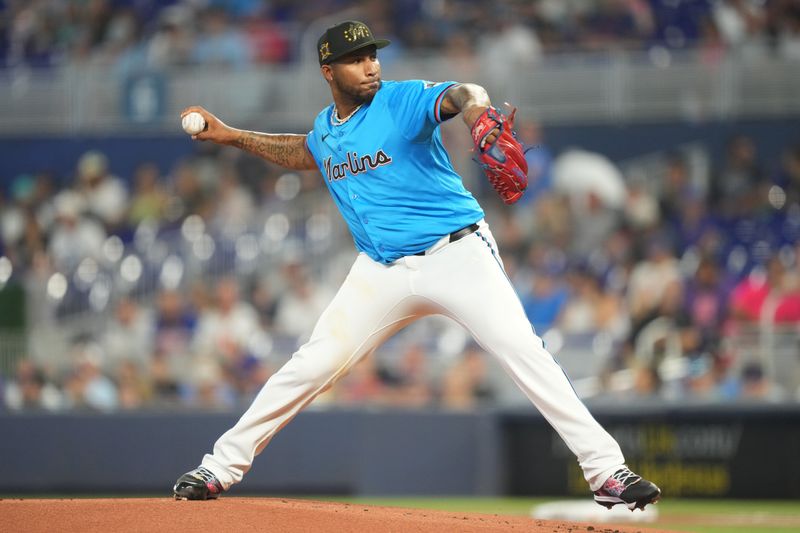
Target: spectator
740	175
789	176
740	22
189	196
552	219
755	386
166	389
679	24
225	331
20	231
705	297
135	389
128	338
173	41
161	34
122	33
86	386
361	385
149	201
712	47
268	40
45	228
30	43
597	194
611	22
466	384
31	390
248	374
771	295
646	382
265	303
234	204
590	308
642	211
510	46
408	382
207	386
786	25
547	296
676	189
303	301
655	285
220	43
175	325
74	237
701	379
540	161
104	194
694	227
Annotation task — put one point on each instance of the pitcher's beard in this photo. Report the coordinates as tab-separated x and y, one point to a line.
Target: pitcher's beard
356	96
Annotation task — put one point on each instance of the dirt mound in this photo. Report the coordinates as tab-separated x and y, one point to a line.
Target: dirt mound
260	514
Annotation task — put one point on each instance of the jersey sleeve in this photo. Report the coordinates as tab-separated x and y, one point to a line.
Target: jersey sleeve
314	138
415	106
311	143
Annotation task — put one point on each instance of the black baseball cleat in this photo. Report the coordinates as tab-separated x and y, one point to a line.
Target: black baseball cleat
199	484
627	488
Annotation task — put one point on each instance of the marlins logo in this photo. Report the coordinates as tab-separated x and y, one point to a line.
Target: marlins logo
355	164
356	32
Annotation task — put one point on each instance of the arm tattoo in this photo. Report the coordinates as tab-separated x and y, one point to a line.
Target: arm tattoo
462	96
286	150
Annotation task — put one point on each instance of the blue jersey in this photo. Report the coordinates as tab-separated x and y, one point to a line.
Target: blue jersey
389	173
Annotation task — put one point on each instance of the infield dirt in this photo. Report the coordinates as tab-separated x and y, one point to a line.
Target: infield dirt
262	514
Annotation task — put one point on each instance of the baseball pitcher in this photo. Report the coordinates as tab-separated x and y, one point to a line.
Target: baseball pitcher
424	248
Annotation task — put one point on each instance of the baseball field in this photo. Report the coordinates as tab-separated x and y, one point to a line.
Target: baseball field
374	515
705	516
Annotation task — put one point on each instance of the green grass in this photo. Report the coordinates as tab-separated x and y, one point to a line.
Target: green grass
700	516
509	506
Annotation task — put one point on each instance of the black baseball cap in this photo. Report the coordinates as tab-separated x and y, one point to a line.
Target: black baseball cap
343	38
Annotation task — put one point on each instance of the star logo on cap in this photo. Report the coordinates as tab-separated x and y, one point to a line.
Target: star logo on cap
325	51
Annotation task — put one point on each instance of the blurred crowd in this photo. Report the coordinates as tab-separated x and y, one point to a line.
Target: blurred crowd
664	280
692	274
154	34
674	275
197	283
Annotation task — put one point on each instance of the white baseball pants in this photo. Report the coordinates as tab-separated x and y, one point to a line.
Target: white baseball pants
463	280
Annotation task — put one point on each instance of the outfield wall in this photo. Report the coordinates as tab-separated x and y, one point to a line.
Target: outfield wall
748	453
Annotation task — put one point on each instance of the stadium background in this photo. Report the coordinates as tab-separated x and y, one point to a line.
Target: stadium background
149	285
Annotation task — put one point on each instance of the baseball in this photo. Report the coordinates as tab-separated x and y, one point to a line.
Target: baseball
193	123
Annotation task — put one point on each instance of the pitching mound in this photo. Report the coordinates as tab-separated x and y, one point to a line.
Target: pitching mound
260	514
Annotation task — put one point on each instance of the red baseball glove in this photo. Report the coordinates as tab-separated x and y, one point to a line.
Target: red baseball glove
503	161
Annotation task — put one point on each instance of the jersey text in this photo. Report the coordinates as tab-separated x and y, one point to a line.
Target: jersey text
354	164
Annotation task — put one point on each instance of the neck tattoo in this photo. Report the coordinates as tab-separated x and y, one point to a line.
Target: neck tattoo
336	121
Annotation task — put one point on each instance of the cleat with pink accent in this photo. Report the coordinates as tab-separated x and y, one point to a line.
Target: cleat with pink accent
199	484
627	488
